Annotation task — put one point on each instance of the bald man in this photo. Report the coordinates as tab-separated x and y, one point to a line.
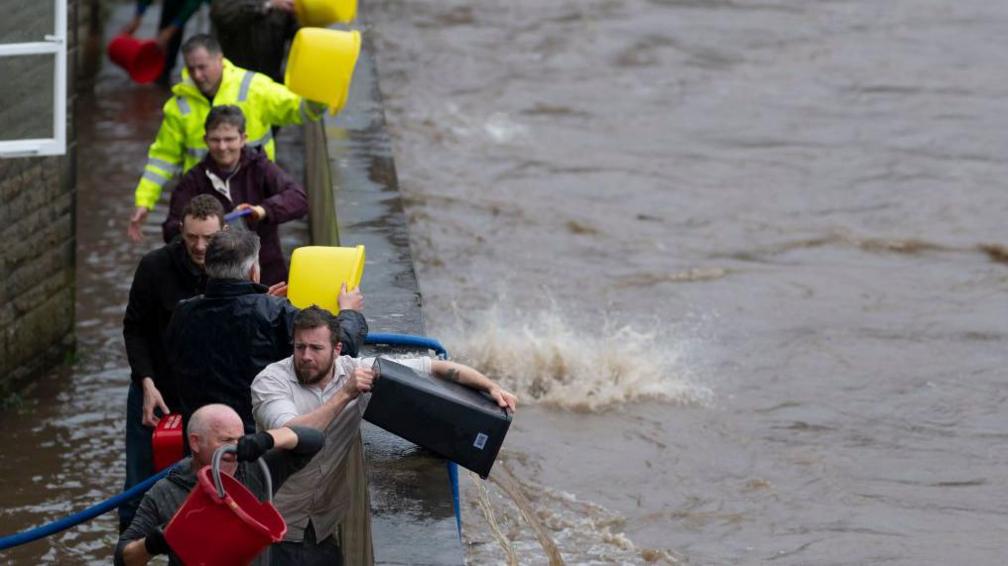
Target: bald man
285	451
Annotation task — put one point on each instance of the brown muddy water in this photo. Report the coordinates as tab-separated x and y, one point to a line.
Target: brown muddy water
742	260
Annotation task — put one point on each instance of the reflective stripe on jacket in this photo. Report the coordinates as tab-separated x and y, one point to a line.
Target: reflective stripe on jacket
179	143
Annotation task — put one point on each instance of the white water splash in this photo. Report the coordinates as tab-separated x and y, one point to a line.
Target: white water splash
546	359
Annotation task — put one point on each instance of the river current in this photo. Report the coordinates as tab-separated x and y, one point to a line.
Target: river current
742	261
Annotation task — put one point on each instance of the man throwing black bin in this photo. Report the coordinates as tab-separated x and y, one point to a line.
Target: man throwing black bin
285	450
319	388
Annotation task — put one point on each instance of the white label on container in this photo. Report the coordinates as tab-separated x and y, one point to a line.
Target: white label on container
480	441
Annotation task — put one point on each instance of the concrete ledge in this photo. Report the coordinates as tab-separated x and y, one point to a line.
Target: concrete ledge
356	200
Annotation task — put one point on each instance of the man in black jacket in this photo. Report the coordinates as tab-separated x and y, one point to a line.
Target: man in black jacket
164	277
254	33
285	451
219	341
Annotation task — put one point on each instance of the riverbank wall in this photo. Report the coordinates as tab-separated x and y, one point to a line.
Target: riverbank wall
355	199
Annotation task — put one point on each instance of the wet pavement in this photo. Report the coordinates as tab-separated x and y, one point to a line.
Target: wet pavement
413	521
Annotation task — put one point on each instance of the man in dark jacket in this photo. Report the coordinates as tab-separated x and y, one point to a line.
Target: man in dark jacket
254	33
285	451
164	277
219	341
241	178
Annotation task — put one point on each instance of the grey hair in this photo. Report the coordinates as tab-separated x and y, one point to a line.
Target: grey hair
231	254
201	40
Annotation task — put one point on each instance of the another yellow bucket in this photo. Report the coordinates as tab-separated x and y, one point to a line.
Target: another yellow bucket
316	273
321	64
321	13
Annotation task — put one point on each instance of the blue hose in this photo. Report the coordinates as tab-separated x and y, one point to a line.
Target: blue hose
408	340
413	341
23	537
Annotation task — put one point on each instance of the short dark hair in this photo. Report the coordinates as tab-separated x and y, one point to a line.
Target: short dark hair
225	114
202	207
315	317
231	254
203	40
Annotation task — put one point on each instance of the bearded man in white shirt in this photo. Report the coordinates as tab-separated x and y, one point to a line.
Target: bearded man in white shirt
319	388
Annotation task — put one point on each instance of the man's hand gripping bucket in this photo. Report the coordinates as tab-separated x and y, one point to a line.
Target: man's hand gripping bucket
222	522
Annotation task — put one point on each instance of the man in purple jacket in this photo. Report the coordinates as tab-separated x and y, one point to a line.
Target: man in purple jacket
241	178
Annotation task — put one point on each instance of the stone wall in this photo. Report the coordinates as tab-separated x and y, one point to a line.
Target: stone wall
37	233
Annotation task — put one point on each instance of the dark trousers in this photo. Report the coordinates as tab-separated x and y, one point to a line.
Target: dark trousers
308	552
139	454
169	10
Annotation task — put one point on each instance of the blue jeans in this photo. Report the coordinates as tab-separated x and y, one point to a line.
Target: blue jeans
139	454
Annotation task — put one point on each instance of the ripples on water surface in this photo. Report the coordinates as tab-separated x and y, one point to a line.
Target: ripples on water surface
743	261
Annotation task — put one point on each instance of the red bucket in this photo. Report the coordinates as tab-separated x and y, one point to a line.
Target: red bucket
221	531
143	60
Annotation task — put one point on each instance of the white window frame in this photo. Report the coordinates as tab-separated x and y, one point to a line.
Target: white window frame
55	44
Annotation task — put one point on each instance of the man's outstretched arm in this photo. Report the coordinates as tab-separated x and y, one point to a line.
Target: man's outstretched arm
465	375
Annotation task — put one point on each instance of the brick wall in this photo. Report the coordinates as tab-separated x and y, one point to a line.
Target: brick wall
37	243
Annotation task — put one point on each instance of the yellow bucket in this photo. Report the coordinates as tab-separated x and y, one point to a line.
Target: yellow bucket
321	13
316	273
321	64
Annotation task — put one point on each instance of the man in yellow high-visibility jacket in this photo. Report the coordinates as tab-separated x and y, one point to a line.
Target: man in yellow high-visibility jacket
209	80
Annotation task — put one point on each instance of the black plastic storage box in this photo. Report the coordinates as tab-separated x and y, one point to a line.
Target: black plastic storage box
458	423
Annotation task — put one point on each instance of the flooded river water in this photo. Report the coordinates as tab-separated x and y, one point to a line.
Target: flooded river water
731	255
739	259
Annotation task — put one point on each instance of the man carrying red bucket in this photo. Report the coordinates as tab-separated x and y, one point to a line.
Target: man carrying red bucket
241	525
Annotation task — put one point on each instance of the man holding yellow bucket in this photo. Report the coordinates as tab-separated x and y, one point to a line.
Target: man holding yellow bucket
208	80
